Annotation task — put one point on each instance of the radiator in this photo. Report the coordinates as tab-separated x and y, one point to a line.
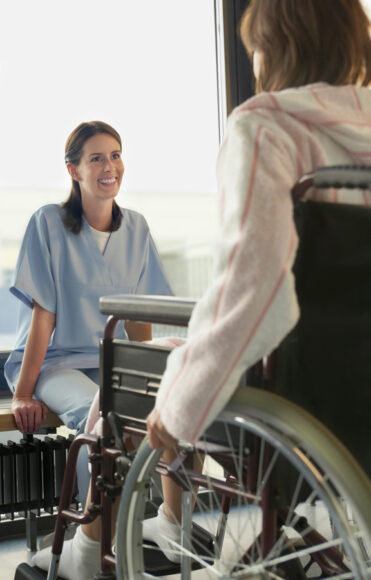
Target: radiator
31	474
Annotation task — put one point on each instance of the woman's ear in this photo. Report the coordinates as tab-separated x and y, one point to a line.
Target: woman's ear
72	170
257	63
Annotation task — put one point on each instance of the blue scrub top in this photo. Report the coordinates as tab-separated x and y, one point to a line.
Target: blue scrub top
66	274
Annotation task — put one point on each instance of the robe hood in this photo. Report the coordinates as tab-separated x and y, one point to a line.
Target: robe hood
342	113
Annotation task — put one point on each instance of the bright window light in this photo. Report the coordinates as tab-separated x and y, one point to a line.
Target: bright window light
149	69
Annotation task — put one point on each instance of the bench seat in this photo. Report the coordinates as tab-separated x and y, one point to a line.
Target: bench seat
7	422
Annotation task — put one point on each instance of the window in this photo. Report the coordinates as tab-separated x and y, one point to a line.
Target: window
149	69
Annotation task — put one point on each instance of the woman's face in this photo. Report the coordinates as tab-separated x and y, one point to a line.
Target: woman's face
100	170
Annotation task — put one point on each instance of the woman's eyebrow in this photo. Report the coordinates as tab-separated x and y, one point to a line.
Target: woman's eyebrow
100	153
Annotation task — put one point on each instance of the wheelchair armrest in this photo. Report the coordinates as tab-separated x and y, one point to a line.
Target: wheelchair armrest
347	176
145	308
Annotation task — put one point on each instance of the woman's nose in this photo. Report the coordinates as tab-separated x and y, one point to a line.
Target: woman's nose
108	164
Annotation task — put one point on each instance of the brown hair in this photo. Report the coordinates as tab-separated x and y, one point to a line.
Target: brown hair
308	41
73	151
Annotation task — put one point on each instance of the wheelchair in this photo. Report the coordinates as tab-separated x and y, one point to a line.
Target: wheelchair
278	485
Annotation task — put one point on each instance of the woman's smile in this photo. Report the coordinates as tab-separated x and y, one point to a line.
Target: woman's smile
107	181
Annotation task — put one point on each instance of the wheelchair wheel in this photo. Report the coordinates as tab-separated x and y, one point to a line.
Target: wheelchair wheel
279	496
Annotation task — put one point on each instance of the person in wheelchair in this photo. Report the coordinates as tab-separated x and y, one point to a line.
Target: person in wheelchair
312	62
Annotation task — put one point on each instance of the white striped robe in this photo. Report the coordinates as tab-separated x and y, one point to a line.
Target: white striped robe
270	142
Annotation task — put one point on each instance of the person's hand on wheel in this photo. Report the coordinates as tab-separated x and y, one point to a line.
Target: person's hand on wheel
159	437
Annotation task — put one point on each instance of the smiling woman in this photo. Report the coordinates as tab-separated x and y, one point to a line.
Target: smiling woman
143	77
61	273
96	168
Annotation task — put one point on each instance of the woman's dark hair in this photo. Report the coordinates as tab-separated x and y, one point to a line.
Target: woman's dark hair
73	151
308	41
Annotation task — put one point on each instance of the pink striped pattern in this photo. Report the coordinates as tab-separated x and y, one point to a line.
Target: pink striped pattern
250	336
181	370
275	102
360	154
219	175
299	163
317	98
245	214
356	98
347	123
243	221
365	199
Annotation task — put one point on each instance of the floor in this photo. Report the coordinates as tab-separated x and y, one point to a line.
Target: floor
12	553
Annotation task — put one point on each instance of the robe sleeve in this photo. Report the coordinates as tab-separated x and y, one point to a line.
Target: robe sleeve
153	279
251	303
33	276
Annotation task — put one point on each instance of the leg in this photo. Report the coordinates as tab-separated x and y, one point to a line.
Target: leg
81	555
173	492
167	524
69	392
93	530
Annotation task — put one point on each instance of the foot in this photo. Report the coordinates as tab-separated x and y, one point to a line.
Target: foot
162	532
80	558
48	540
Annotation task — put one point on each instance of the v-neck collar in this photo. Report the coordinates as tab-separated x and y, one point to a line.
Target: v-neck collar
90	238
110	242
101	238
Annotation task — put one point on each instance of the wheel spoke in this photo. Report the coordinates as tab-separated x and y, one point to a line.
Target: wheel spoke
314	501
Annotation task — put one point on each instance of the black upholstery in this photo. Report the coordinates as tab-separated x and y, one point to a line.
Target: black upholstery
324	364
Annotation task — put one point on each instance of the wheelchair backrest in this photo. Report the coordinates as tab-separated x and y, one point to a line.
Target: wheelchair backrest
324	364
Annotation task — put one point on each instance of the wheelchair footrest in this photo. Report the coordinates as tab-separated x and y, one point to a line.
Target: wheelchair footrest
26	572
157	564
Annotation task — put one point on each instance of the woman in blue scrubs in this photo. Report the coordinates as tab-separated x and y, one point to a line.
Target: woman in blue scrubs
71	255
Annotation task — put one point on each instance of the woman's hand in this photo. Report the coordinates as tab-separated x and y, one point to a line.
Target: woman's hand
159	437
28	413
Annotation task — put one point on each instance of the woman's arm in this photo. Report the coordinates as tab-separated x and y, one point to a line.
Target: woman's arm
138	331
28	412
250	304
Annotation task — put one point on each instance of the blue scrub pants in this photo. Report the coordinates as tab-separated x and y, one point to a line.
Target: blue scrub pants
69	393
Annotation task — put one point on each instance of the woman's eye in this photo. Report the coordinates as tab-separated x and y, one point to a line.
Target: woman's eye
94	159
116	156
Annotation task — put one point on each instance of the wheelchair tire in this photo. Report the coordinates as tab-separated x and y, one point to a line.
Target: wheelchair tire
298	502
